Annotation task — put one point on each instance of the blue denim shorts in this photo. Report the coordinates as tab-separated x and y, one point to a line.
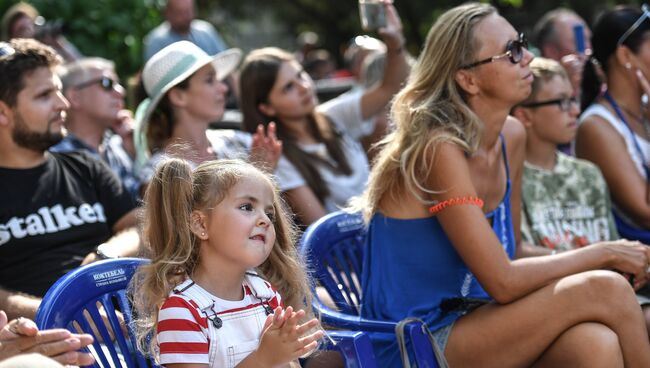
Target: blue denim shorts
441	336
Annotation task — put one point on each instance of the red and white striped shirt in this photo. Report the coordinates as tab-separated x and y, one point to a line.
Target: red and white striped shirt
186	332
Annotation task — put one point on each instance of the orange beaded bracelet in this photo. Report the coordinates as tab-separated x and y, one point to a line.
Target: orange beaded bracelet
454	202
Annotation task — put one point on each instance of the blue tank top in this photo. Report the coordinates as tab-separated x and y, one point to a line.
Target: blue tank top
410	267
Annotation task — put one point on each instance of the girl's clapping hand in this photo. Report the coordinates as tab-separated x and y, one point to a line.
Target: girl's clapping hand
283	337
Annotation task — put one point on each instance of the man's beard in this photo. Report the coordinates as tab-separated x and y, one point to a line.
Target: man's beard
35	141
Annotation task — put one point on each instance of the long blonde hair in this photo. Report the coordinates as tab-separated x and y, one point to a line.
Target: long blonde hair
174	192
431	109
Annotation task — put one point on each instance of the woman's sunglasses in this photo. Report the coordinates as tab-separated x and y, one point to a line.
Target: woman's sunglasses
514	53
106	83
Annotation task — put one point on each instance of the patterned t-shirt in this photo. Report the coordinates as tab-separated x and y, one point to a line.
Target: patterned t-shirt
568	207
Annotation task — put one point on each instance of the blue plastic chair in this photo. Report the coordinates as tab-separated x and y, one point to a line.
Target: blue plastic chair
628	232
333	249
85	289
104	283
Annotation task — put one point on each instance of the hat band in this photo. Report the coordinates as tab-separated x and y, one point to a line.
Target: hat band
173	73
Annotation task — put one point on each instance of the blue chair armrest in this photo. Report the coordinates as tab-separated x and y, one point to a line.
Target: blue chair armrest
355	346
337	319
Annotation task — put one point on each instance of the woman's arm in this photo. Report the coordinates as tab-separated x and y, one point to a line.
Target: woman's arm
598	142
472	236
395	71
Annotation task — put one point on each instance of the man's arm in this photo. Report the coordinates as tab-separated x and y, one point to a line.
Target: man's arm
124	243
17	304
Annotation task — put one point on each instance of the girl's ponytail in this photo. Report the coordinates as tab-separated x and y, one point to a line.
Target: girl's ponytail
169	243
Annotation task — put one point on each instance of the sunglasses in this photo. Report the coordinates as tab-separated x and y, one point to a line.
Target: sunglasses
514	53
106	83
6	50
564	104
635	25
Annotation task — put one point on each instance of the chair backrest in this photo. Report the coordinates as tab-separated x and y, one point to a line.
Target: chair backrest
78	300
333	247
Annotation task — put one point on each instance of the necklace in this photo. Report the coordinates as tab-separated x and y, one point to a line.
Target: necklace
640	118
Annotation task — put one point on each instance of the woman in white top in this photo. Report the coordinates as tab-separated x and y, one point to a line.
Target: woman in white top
323	163
614	132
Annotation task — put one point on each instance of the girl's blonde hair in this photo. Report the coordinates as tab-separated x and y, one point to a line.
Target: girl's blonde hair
431	109
174	192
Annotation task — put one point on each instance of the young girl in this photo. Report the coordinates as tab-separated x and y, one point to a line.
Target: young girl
324	164
216	234
443	204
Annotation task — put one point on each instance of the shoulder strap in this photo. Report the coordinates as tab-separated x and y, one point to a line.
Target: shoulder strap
192	291
504	152
259	286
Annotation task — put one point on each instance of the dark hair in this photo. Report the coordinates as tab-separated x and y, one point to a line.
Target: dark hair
608	29
258	74
28	56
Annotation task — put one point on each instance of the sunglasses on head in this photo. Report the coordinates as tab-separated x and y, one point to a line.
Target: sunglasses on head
563	103
106	83
6	50
635	25
514	53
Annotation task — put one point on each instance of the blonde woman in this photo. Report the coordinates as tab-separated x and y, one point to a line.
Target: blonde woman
443	209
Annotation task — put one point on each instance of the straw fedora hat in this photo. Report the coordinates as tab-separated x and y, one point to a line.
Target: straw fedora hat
167	68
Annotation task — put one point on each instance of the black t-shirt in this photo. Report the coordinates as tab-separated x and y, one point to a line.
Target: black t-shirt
52	216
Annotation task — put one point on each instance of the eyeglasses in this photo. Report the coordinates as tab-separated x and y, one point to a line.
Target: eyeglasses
564	104
635	25
6	50
514	52
106	83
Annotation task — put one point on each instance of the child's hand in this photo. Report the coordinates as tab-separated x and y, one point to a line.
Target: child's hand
283	340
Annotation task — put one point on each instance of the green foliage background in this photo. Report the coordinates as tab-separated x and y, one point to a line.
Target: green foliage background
109	28
114	28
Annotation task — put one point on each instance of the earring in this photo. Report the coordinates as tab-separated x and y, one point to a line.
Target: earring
202	234
628	66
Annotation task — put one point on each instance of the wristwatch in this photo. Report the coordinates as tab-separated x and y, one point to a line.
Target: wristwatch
105	251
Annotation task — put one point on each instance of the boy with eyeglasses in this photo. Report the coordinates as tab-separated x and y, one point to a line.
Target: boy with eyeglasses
565	201
96	115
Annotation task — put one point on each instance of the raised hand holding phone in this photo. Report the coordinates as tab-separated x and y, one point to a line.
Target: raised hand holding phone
373	14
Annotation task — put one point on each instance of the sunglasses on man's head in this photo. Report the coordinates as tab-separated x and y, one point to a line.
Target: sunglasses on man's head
6	50
514	53
635	25
106	83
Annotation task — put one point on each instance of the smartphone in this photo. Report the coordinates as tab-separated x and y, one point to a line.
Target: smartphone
579	35
373	14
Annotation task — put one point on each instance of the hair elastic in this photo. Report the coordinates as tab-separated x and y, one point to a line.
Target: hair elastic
454	202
